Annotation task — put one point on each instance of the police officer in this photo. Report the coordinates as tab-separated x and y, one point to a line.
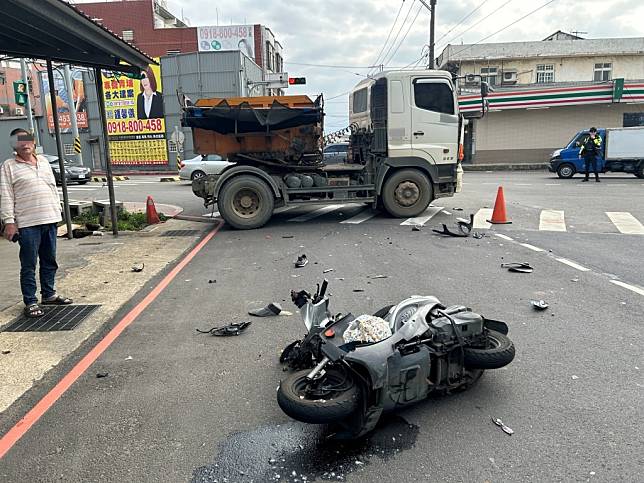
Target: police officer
590	150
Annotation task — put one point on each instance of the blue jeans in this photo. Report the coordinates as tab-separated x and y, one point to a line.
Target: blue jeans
37	242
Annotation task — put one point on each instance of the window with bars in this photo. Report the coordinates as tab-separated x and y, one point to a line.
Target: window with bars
488	74
603	71
128	35
545	73
69	149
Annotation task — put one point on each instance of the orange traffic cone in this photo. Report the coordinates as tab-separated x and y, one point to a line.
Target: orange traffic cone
151	212
498	215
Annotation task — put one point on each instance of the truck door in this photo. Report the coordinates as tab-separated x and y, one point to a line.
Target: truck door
434	121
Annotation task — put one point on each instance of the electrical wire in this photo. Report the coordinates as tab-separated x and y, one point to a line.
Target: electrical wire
406	34
330	66
402	25
503	28
402	4
460	22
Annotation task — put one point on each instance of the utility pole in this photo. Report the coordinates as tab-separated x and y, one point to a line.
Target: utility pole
432	9
30	117
69	87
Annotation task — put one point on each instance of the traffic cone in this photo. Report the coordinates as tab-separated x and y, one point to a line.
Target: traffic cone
151	212
498	215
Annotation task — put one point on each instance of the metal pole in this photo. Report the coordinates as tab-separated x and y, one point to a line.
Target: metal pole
30	117
69	86
430	63
106	148
59	146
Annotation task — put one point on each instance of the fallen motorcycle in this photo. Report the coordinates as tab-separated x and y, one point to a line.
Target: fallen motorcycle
348	371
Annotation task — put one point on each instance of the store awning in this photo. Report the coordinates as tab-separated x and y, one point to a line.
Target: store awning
56	30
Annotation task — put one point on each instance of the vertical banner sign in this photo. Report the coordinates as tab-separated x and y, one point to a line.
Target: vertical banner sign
135	118
66	105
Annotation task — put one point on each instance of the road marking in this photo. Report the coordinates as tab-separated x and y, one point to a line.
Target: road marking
553	184
552	220
314	214
632	288
625	222
572	264
532	247
523	184
481	217
447	212
505	237
364	215
427	215
11	437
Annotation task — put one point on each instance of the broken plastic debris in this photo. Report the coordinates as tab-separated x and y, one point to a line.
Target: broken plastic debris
539	304
500	424
212	281
574	378
138	267
477	235
227	330
5	352
100	375
327	270
129	358
379	276
521	267
358	290
415	228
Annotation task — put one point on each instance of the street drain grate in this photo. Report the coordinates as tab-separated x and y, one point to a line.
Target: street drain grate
180	233
56	318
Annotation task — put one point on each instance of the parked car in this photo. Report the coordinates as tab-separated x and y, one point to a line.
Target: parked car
336	153
201	165
78	174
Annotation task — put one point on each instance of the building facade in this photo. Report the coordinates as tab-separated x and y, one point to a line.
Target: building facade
543	92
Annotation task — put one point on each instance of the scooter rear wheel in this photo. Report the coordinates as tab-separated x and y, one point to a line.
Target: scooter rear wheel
323	404
499	353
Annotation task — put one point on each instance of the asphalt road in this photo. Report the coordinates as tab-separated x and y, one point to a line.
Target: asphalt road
178	405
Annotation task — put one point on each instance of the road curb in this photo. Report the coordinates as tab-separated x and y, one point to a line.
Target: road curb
506	167
103	179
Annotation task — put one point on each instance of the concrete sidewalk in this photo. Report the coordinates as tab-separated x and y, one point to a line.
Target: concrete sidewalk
93	270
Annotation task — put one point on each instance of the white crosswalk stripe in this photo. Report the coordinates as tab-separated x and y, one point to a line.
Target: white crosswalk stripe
626	223
364	215
427	215
481	217
552	220
316	213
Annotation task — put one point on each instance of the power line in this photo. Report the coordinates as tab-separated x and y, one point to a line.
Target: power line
406	33
477	23
460	22
402	4
402	25
329	66
502	29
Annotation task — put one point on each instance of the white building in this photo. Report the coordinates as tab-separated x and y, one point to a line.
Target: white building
545	91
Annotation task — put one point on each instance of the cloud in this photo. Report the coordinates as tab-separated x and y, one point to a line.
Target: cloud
352	32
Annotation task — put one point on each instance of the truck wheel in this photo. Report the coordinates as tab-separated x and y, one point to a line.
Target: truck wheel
640	170
407	193
566	170
246	202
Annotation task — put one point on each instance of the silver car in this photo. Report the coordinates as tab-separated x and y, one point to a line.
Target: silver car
336	153
201	165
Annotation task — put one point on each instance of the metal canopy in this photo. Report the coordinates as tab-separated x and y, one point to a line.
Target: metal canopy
55	30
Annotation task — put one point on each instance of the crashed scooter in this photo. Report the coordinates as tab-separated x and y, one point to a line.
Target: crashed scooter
408	352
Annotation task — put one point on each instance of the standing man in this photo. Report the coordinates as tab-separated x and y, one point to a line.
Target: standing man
590	150
30	211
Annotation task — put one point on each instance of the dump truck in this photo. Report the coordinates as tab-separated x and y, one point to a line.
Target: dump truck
405	147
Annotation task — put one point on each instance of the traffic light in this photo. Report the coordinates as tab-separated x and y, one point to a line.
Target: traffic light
20	92
297	81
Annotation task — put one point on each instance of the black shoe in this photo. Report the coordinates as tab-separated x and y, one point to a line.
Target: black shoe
597	180
585	180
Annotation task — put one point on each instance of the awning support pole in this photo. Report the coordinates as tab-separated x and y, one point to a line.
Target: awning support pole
59	147
106	148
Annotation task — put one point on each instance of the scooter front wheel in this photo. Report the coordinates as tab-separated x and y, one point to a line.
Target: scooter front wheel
331	399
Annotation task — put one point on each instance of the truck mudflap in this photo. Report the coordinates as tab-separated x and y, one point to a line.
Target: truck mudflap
205	188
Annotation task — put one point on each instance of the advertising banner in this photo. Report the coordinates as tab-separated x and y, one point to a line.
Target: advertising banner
135	118
65	105
222	38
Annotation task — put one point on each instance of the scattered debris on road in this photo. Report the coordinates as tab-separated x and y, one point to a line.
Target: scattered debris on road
270	310
138	267
574	280
227	330
358	290
500	424
5	352
378	276
478	235
457	209
539	304
288	236
301	261
100	375
574	378
464	228
415	228
327	270
520	267
212	281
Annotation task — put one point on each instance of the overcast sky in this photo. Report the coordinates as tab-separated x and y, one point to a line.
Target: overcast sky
352	32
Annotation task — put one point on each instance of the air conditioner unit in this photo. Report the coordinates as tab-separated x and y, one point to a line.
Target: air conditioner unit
510	77
19	111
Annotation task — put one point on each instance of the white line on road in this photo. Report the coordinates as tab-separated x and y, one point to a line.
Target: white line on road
572	264
314	214
481	217
625	222
553	184
632	288
364	215
523	184
532	247
427	215
505	237
552	220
